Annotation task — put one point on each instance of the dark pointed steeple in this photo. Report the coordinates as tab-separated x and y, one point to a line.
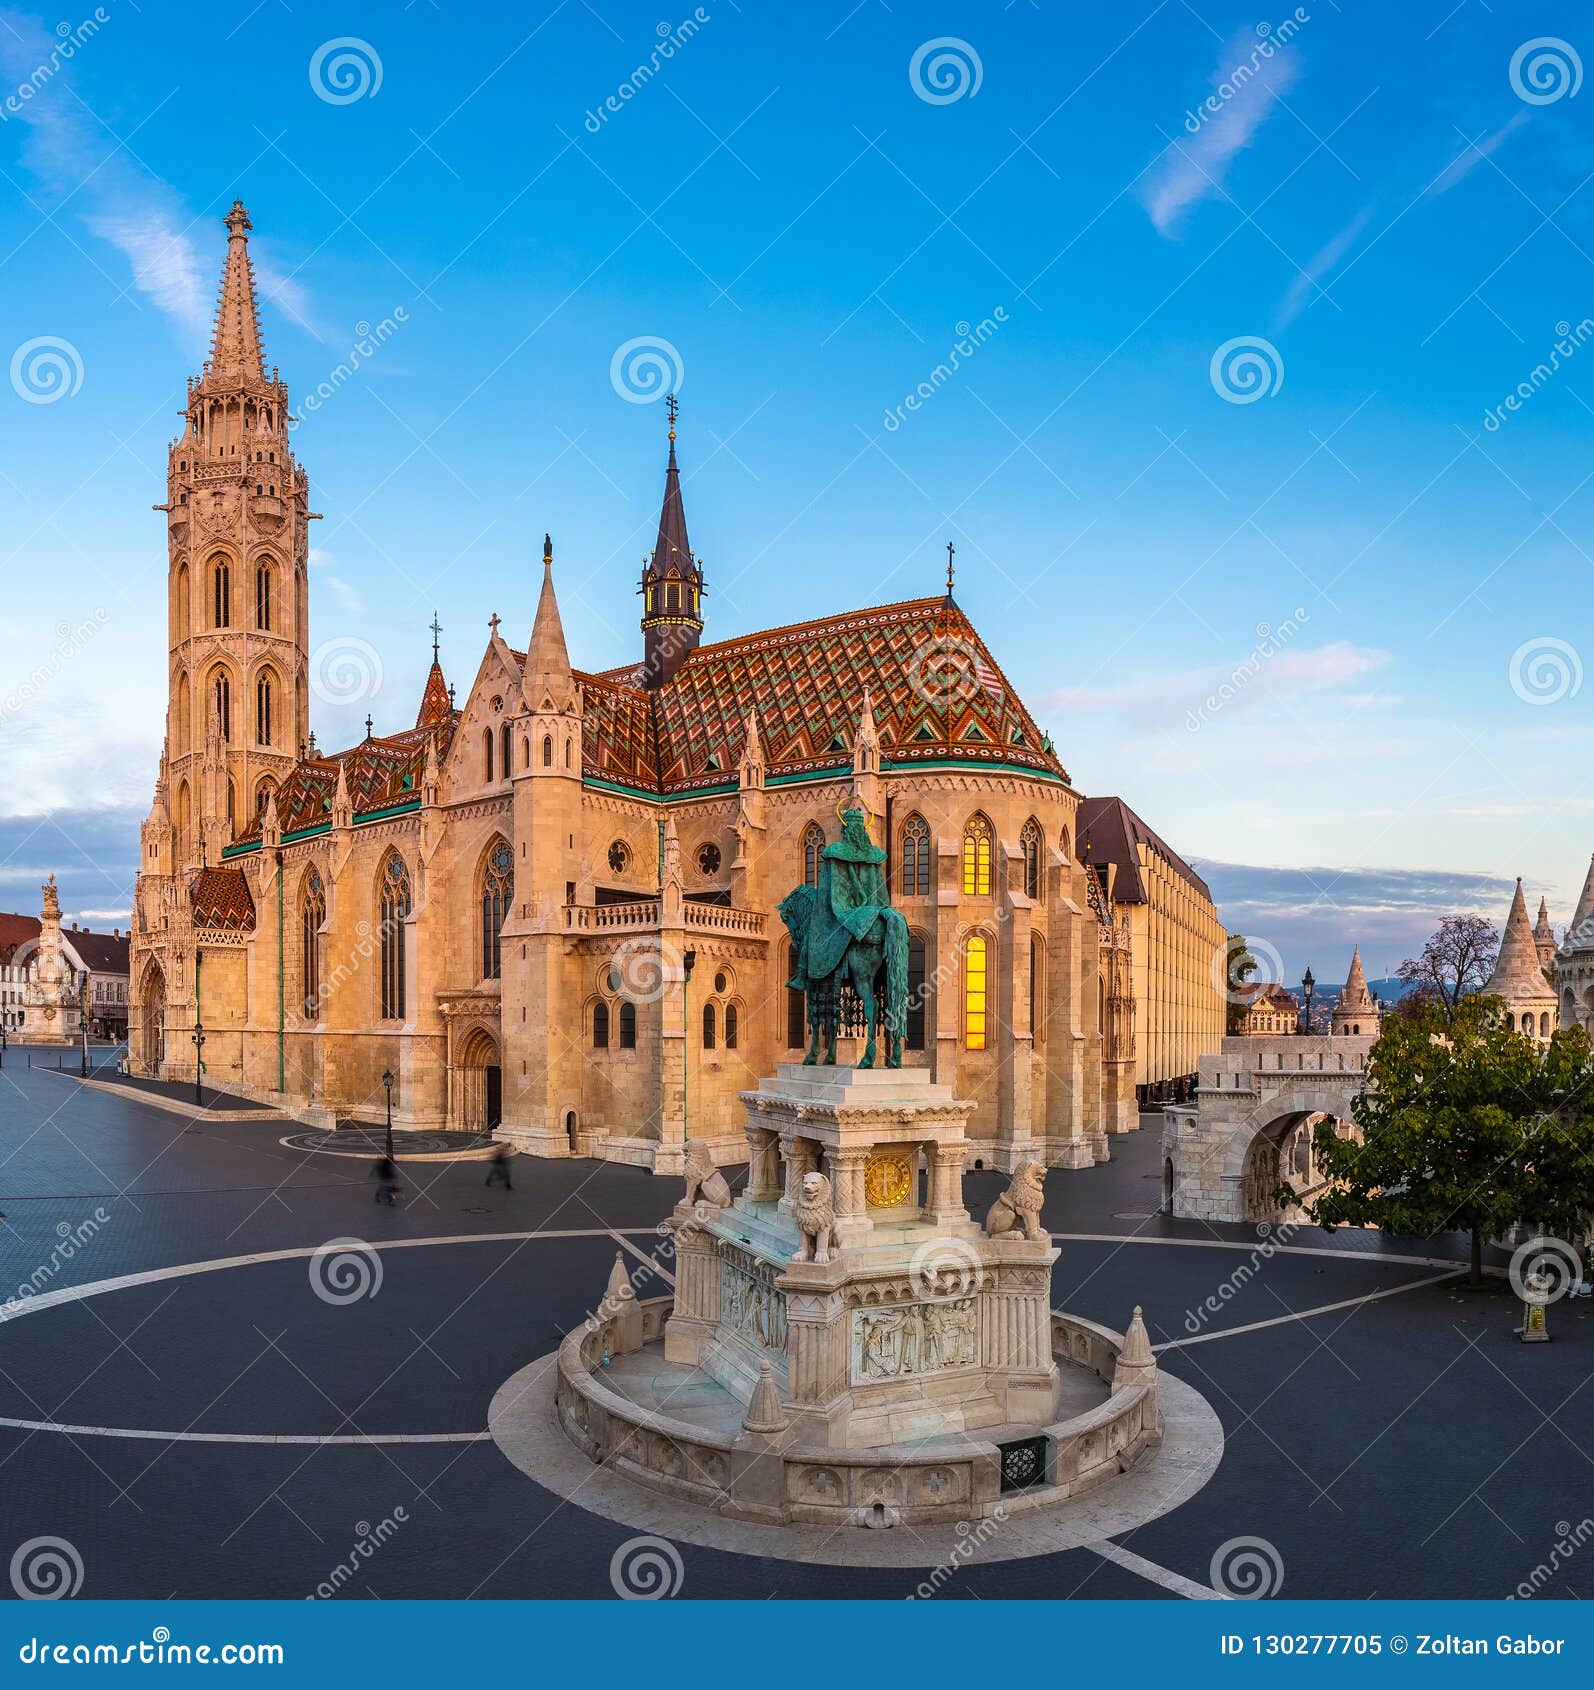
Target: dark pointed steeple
672	584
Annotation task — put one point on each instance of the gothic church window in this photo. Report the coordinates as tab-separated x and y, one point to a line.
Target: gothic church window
916	858
315	913
977	858
600	1025
627	1025
708	858
813	844
1030	843
498	891
221	595
975	988
394	899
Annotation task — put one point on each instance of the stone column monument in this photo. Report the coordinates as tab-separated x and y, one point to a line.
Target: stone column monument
50	1011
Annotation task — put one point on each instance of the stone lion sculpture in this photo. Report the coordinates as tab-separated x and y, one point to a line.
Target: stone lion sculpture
704	1182
816	1219
1018	1209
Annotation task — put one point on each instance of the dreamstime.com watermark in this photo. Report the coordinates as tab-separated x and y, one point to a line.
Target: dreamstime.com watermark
972	1537
367	1540
671	40
369	340
970	338
1269	40
1568	339
1568	1540
1237	1281
1545	670
46	369
68	38
70	1239
1271	638
70	641
1544	70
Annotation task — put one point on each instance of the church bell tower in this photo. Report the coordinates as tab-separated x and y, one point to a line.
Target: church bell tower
237	516
672	585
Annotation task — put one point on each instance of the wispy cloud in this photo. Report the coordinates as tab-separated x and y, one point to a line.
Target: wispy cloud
1304	288
1315	915
1249	81
1155	700
1473	153
80	166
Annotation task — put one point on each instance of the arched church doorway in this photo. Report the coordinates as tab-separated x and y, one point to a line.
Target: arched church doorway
152	1021
478	1084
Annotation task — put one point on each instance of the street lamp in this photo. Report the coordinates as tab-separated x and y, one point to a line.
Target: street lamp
199	1059
1308	986
688	960
387	1081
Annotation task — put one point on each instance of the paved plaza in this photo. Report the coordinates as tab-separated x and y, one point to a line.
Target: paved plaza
226	1412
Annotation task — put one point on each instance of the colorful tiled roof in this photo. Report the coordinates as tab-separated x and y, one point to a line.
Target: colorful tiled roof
381	772
221	898
936	692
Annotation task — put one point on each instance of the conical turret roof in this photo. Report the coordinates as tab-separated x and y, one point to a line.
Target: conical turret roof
1580	935
1518	976
1356	982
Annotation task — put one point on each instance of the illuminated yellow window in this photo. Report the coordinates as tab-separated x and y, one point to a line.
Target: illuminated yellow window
977	858
974	992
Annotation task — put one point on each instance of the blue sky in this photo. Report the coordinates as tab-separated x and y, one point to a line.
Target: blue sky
1386	226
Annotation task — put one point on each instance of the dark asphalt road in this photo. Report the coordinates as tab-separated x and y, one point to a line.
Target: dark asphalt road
1406	1446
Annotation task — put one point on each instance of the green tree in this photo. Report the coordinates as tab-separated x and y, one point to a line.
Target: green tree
1238	967
1464	1125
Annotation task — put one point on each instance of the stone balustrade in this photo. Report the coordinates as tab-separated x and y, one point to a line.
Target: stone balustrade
958	1479
643	917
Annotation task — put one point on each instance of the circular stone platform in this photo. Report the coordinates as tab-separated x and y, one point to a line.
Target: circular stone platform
523	1422
366	1143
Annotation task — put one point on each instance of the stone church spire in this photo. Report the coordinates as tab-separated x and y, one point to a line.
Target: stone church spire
672	584
237	529
235	347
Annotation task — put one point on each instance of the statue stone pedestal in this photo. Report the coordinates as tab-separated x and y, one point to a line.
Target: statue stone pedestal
883	1313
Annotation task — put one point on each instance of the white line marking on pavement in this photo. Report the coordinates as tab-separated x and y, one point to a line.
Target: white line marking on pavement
1158	1575
1308	1314
246	1437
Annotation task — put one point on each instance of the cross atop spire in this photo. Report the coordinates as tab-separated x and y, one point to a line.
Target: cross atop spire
672	409
951	552
235	347
437	634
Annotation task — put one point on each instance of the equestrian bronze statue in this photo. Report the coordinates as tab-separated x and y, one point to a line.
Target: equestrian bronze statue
844	932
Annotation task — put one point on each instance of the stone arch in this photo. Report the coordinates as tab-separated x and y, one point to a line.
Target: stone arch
152	1019
476	1082
1252	1156
184	607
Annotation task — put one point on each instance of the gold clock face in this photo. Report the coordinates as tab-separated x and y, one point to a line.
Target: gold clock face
887	1180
